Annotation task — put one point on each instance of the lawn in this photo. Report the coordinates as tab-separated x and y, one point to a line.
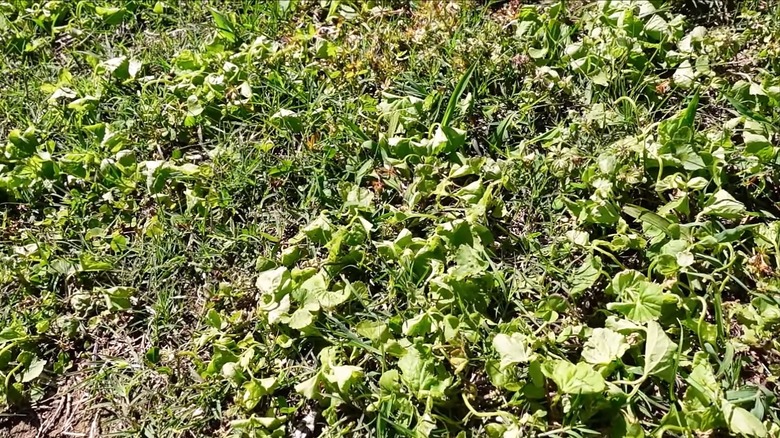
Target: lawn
304	218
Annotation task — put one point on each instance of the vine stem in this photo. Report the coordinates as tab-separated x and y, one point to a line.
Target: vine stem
475	413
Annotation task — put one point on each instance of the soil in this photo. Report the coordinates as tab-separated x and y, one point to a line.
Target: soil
65	414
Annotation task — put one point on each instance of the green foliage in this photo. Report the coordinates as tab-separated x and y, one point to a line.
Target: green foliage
342	218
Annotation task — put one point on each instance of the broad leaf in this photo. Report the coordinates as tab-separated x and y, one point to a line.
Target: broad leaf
274	281
644	304
344	375
741	421
575	379
722	204
512	349
604	346
659	353
586	275
34	369
422	374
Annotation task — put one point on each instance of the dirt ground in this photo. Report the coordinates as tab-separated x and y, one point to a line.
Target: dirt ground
64	415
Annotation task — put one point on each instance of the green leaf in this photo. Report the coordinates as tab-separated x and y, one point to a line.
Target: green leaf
512	349
119	297
659	353
255	389
88	263
224	25
373	330
301	319
10	334
309	387
689	158
287	119
419	325
329	300
284	5
214	319
502	377
624	282
447	139
644	303
626	426
120	67
24	143
604	346
741	421
233	373
455	98
315	294
575	379
648	217
111	15
344	376
311	288
702	381
747	112
388	381
722	204
758	145
469	262
421	374
274	281
689	114
684	75
537	53
586	275
34	369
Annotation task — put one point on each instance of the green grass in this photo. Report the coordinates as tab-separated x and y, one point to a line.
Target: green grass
388	219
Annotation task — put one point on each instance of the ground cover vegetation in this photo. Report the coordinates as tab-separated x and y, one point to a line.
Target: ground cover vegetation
364	218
